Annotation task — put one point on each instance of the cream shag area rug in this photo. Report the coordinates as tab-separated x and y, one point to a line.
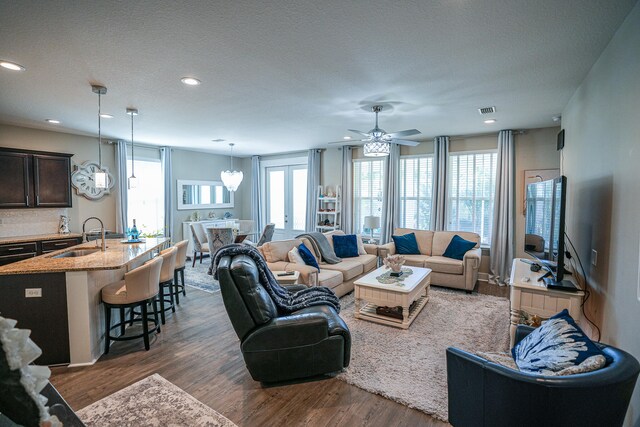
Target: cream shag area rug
409	366
152	401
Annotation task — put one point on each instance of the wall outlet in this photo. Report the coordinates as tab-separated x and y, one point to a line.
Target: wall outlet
33	293
594	257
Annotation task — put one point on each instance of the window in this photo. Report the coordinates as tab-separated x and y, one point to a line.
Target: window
416	190
539	211
285	196
471	191
368	181
145	203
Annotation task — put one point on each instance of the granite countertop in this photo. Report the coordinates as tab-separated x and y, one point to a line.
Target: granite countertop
116	256
37	238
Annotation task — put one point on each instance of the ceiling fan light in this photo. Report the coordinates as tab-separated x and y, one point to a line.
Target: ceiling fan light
231	179
377	149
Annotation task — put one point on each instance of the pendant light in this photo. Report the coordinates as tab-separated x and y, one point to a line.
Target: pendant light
133	181
100	176
231	178
377	146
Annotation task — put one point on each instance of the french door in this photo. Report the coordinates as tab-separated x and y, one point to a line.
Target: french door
286	200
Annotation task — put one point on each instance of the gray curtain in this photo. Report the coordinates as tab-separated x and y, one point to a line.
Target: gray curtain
256	208
440	165
391	193
503	211
313	181
168	191
346	217
122	180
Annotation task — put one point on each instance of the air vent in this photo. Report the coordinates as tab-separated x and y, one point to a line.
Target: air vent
487	110
217	140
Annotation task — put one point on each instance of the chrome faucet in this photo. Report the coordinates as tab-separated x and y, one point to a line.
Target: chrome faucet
84	234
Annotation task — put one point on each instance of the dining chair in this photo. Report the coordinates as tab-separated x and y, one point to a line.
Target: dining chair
200	243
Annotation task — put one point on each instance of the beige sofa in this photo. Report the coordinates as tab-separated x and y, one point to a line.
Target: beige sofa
448	272
338	277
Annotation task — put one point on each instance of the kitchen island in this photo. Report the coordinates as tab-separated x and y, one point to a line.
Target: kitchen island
57	296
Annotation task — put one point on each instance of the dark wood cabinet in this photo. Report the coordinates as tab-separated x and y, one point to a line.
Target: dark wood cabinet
35	179
14	252
16	180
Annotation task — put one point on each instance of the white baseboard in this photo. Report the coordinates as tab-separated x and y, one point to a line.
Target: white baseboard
483	277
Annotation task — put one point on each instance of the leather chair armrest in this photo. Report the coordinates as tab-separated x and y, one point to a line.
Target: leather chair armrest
521	332
386	249
288	331
371	249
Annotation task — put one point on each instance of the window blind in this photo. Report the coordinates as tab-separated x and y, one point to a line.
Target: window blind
368	180
416	192
471	191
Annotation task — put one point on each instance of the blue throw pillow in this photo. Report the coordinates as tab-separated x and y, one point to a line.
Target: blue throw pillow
458	247
307	256
345	246
406	244
558	344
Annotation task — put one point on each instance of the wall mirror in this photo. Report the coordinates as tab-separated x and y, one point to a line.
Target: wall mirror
203	195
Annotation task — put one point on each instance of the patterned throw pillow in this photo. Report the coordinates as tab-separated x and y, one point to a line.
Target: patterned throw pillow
556	345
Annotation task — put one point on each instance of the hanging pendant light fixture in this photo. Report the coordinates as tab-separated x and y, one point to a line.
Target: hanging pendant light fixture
133	181
377	146
231	178
100	176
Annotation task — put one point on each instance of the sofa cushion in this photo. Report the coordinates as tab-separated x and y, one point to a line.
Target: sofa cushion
278	250
423	237
349	268
308	256
441	240
330	234
415	260
329	278
369	262
345	246
406	244
458	247
441	264
558	344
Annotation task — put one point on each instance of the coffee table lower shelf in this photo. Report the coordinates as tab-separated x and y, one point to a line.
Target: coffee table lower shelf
368	312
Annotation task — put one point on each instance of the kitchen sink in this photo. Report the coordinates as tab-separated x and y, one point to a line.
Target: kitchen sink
76	253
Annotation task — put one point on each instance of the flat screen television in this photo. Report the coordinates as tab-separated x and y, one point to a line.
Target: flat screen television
544	228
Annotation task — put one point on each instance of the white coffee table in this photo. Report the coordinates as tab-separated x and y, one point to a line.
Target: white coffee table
370	293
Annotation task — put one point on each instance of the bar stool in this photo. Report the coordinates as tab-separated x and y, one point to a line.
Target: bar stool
166	280
139	288
181	260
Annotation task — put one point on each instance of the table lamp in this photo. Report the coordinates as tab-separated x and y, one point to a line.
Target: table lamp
371	222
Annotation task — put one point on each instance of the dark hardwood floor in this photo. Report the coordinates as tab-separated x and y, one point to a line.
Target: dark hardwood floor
199	352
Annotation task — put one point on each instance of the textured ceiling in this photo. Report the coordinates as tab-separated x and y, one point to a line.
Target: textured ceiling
281	76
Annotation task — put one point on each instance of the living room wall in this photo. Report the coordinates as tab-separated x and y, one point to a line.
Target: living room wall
601	160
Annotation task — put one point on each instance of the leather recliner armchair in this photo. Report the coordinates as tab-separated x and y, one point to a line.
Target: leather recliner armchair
309	342
482	393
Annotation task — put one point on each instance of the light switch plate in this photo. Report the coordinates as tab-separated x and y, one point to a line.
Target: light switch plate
594	257
33	293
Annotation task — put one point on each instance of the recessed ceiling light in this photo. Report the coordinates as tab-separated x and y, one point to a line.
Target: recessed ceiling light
11	66
490	121
106	116
346	137
191	81
53	121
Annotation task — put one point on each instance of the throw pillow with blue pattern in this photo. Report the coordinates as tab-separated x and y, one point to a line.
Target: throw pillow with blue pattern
555	346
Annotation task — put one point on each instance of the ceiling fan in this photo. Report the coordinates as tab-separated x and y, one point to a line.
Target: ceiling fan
377	141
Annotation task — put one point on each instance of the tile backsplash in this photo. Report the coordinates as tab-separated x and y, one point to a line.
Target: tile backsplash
26	222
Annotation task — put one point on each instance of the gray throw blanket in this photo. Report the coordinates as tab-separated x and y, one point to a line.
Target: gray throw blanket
321	246
286	302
